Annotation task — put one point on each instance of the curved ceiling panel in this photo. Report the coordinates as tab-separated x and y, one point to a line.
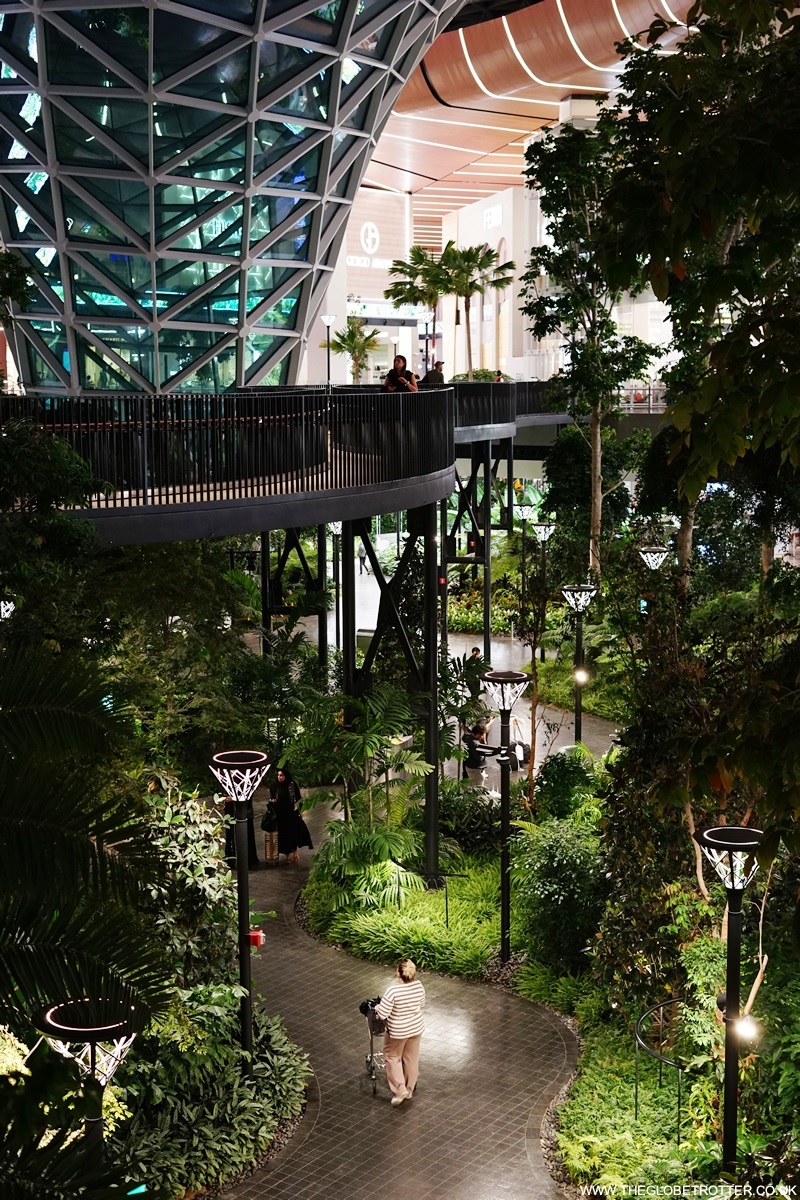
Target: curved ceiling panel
458	130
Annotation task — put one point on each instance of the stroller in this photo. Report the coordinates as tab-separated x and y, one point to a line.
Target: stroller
376	1025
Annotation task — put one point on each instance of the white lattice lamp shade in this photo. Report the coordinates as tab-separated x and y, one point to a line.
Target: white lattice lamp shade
336	527
505	687
526	510
328	319
544	530
239	772
96	1035
579	596
731	850
653	556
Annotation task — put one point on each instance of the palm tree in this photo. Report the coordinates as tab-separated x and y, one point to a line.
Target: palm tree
469	271
356	341
417	282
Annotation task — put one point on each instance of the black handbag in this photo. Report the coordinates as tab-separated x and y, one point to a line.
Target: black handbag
269	821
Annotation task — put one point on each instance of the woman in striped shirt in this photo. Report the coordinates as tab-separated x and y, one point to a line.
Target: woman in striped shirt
401	1007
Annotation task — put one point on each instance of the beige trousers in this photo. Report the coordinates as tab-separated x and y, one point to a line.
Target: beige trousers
402	1062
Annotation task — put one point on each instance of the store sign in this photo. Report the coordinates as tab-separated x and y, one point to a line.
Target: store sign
376	235
370	239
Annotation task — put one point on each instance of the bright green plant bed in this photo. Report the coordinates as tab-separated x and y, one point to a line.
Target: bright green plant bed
601	699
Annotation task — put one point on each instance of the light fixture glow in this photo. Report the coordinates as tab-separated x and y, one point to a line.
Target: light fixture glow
328	319
746	1029
581	87
653	555
498	95
581	676
579	596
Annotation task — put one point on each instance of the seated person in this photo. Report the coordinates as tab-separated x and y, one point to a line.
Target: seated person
477	753
399	379
434	378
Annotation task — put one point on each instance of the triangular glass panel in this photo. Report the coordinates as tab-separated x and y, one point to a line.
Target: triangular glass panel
53	334
128	198
219	306
278	63
342	142
226	82
358	117
176	204
19	36
301	176
343	186
263	280
176	279
273	139
91	297
84	225
320	27
177	43
256	345
45	262
309	101
131	270
66	62
123	33
217	375
77	146
126	122
222	232
223	162
20	222
176	126
293	246
375	43
274	377
23	113
42	374
99	372
283	314
268	212
233	10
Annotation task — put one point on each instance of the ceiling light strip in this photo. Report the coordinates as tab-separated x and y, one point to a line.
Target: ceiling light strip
633	39
498	95
613	69
398	137
542	82
400	116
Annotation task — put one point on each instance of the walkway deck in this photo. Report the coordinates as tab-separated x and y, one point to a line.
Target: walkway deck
491	1062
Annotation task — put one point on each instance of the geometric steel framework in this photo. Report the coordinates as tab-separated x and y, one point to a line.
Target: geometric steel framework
178	176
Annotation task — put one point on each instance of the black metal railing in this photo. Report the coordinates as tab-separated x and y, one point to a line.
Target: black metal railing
175	449
653	1034
531	398
483	404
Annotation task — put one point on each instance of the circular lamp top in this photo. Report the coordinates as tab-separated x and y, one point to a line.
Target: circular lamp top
505	687
653	555
328	319
87	1020
544	530
526	510
579	596
731	850
239	771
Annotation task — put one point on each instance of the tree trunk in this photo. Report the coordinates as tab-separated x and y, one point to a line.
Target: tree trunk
534	714
684	547
596	444
767	551
469	338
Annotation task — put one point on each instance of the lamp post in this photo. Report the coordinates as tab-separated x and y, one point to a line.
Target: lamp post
240	772
731	849
579	596
544	530
327	321
505	689
336	530
96	1035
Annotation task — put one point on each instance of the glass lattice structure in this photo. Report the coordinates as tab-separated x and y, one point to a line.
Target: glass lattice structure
179	177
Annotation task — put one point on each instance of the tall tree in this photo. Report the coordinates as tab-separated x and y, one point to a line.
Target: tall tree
469	271
416	282
572	172
357	342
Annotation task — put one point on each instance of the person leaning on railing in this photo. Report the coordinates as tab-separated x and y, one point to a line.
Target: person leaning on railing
399	379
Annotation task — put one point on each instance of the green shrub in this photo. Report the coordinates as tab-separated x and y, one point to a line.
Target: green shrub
465	612
321	897
195	1119
563	781
566	993
471	816
603	697
557	883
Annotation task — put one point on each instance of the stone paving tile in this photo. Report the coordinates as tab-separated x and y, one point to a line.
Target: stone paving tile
490	1064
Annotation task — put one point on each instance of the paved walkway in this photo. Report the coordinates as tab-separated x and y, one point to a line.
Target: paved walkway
490	1064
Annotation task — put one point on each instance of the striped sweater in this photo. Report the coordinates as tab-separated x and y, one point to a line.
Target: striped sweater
402	1006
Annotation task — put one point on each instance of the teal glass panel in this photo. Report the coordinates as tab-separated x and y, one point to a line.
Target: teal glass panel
176	279
124	34
127	198
276	376
301	176
127	122
42	373
21	225
309	100
233	10
268	213
92	297
283	315
66	62
279	63
292	246
54	336
221	232
24	115
19	36
176	204
256	346
227	82
98	371
272	140
223	162
178	349
262	281
176	126
358	117
219	306
133	343
178	42
342	142
132	271
368	11
46	263
87	226
77	147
